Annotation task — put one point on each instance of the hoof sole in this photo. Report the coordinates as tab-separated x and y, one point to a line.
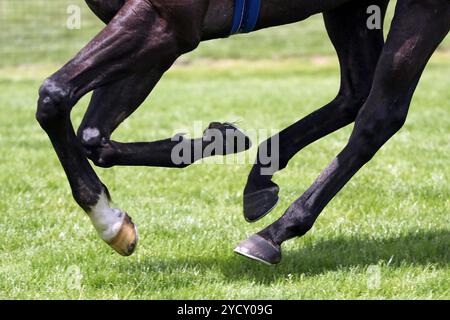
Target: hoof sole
259	249
260	203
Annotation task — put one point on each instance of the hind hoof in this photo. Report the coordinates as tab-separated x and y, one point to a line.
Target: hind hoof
259	249
240	142
126	240
260	203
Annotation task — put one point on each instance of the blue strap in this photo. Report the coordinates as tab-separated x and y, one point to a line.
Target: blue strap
252	15
239	6
246	14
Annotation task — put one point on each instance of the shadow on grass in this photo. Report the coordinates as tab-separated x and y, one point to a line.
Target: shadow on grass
315	258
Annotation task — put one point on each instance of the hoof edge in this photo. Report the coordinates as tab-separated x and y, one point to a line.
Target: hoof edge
259	249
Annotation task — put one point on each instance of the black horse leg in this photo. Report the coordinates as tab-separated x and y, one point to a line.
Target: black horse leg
417	30
112	104
134	41
358	49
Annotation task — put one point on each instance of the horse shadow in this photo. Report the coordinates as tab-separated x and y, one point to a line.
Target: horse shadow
318	257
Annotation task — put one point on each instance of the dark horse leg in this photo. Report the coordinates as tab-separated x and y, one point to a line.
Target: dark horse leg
112	104
136	40
417	30
358	49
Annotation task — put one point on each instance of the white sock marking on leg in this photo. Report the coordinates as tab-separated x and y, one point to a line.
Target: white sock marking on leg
106	220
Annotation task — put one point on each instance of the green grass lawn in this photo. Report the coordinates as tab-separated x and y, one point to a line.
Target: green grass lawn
34	31
386	235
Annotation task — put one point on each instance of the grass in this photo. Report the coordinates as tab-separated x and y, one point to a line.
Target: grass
391	220
35	31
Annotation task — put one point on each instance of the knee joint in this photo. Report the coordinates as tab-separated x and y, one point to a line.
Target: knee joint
53	102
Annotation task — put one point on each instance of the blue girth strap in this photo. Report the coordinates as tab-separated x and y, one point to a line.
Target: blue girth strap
246	14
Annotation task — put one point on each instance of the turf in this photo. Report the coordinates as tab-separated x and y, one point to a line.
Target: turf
385	236
34	31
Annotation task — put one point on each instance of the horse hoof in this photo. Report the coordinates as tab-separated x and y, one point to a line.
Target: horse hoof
259	249
243	141
126	240
260	203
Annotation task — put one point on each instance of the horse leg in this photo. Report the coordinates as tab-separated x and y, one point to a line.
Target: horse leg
112	104
417	30
358	49
135	40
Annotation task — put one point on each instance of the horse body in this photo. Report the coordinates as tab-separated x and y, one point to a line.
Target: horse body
142	40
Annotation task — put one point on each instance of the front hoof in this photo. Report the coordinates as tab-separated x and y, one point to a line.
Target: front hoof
259	249
260	203
126	240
